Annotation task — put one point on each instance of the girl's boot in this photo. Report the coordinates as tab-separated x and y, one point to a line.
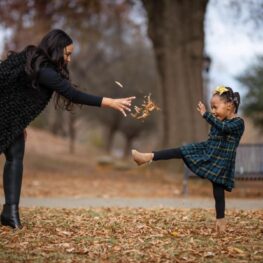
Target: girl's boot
142	158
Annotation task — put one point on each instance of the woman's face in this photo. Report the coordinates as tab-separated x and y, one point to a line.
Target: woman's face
68	50
220	108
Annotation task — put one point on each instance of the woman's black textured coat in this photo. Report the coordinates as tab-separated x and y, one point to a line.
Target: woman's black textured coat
20	103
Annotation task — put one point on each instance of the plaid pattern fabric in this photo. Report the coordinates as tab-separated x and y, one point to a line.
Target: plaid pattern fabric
214	159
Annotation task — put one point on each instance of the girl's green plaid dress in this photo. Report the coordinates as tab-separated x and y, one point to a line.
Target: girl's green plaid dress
214	159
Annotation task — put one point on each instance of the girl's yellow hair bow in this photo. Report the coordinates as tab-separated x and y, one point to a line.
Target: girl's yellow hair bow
220	90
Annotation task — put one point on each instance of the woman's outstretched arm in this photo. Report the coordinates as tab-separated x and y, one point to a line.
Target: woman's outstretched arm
51	79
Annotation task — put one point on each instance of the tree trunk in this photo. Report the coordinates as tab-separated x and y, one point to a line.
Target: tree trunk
72	132
57	126
128	145
176	28
110	132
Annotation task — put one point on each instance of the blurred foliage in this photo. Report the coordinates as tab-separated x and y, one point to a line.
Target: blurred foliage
109	46
244	15
252	79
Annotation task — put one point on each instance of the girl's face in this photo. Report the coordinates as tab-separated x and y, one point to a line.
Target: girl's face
68	50
220	108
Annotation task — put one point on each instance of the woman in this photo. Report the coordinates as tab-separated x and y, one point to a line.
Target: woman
27	81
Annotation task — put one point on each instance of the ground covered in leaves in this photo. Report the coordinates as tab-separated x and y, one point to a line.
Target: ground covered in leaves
132	235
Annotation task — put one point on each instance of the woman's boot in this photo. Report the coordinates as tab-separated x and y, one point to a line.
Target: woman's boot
10	216
12	182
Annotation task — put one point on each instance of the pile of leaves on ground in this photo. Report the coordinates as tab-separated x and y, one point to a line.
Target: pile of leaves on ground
132	235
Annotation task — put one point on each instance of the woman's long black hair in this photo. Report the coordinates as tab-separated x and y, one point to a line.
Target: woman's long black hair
49	51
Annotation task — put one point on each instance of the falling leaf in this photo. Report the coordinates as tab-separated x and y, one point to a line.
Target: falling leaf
118	83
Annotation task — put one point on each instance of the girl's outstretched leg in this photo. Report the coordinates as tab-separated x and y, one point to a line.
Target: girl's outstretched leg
219	195
173	153
142	158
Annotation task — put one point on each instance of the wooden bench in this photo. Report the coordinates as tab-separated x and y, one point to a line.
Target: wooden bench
249	165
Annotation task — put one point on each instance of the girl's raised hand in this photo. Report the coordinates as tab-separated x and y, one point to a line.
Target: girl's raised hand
121	105
201	108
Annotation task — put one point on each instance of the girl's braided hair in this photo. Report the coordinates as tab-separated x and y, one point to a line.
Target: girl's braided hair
228	95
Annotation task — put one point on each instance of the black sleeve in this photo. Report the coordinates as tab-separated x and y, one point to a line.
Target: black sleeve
228	127
51	79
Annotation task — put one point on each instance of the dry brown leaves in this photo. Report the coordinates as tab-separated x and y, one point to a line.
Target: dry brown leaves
132	235
118	84
145	109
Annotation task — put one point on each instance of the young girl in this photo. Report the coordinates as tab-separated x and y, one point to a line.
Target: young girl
213	159
28	80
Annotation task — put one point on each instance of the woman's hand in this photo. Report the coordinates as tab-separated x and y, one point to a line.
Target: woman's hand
201	108
121	105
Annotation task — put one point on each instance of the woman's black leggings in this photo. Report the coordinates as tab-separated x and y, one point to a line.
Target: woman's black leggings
218	190
13	170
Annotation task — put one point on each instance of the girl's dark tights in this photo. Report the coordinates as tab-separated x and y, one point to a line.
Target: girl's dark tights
219	195
218	190
13	170
173	153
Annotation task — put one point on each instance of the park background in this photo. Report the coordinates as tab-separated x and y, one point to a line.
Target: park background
177	51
